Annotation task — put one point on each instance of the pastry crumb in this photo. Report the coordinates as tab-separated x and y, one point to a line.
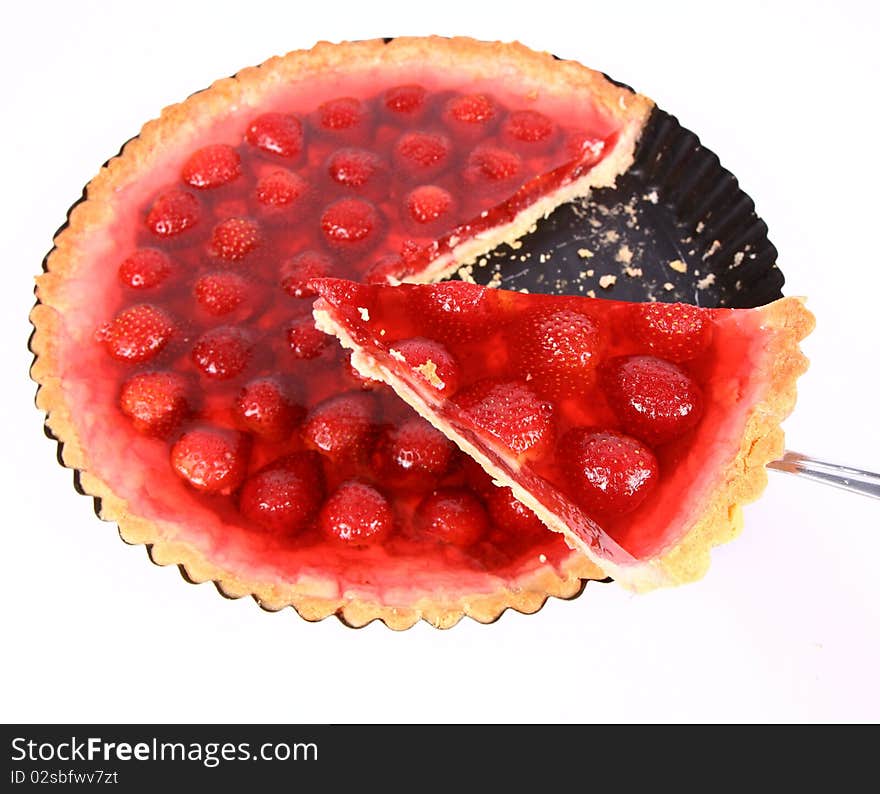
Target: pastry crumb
428	371
652	197
364	313
678	266
585	253
738	258
466	273
396	355
607	281
624	255
516	245
611	236
706	282
633	272
668	286
591	293
700	227
713	249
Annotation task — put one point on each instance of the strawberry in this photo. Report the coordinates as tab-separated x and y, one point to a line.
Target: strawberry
452	515
406	100
476	110
276	133
306	341
454	310
429	203
138	333
510	411
221	292
607	472
674	331
344	294
350	223
559	349
357	515
234	238
263	408
528	126
286	495
222	353
387	266
415	448
508	513
421	154
145	268
654	399
341	427
584	146
281	189
299	271
488	165
357	169
431	362
211	459
212	166
173	212
414	255
341	114
156	402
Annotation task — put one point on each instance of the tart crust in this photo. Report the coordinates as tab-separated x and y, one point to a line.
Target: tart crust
179	126
717	518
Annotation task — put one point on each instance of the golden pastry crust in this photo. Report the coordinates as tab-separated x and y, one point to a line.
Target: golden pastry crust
180	125
718	517
745	478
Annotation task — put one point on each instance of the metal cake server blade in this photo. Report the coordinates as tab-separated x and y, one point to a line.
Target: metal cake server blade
859	481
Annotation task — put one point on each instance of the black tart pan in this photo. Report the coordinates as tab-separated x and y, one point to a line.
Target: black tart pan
676	228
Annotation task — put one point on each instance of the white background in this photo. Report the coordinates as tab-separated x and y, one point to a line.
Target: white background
784	627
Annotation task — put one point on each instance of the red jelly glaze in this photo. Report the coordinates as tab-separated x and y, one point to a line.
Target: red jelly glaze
358	186
559	390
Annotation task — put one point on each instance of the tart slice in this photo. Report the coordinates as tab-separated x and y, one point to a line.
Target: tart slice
176	354
635	430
